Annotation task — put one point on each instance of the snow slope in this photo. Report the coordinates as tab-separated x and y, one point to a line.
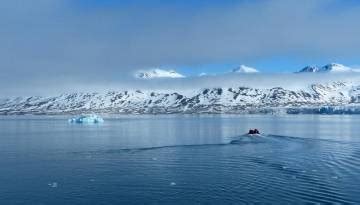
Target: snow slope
244	69
338	97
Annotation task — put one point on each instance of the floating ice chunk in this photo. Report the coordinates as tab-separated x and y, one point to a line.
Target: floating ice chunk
172	184
86	119
53	184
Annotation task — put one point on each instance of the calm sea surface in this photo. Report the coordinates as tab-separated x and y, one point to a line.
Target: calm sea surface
180	159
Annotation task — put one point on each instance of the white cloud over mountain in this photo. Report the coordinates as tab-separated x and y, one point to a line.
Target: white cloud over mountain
157	73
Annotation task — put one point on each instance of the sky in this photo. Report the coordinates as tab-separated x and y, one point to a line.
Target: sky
50	46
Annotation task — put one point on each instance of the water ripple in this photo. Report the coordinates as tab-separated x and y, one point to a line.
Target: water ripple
248	169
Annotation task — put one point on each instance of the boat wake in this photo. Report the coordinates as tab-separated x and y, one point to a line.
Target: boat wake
274	140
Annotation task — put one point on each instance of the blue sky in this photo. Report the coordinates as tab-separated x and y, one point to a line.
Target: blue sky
105	41
285	62
274	64
195	4
189	7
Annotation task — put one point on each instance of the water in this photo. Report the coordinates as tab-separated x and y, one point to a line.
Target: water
180	160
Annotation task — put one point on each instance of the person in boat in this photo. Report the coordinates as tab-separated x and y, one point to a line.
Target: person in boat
253	131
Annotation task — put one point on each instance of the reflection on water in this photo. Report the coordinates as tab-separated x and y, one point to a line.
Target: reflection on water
180	160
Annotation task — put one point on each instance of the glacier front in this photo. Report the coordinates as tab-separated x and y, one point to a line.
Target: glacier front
86	119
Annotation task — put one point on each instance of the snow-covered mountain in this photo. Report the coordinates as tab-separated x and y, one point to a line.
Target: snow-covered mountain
244	69
262	93
330	68
332	97
310	69
157	73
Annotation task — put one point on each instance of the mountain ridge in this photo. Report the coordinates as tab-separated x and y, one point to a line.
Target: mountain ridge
234	100
331	67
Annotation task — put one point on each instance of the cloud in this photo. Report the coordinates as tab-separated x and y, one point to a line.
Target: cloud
157	73
291	81
56	45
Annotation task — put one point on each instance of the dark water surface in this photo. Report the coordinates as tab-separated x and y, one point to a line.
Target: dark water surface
180	160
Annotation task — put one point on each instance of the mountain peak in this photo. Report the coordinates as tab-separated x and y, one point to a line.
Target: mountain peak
157	73
330	68
335	67
244	69
310	69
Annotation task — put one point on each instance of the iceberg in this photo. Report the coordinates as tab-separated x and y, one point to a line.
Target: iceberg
86	119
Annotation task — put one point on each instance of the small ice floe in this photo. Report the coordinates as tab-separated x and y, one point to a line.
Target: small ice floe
335	177
172	184
154	158
92	118
53	184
